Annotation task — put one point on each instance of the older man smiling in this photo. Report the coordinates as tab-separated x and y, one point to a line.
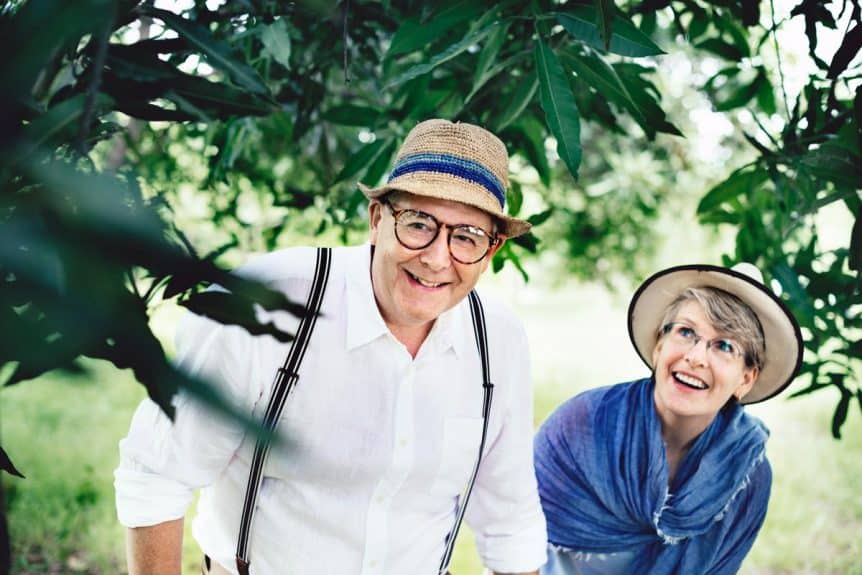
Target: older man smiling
411	399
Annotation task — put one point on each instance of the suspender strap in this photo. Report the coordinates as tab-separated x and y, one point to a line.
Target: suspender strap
482	343
285	378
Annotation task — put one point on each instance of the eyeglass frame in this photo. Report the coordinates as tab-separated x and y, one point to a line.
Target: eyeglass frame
738	348
493	238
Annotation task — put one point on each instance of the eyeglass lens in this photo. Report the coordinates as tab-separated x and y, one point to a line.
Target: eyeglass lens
722	348
416	230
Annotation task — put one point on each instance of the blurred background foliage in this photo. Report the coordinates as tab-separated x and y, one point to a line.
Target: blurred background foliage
144	146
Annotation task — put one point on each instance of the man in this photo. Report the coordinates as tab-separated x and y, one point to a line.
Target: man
384	424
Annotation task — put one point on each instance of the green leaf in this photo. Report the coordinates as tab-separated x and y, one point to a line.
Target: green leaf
810	389
364	157
522	97
699	23
835	164
219	55
527	241
742	95
533	147
840	415
605	12
766	96
228	309
486	67
848	50
626	40
721	48
801	303
380	164
541	217
7	465
743	181
55	126
514	198
474	36
414	34
351	115
210	97
855	257
599	75
276	42
643	93
558	102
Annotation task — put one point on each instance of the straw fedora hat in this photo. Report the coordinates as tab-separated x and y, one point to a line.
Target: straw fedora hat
783	339
458	162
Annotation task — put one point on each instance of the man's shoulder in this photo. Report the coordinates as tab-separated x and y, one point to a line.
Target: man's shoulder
290	264
498	313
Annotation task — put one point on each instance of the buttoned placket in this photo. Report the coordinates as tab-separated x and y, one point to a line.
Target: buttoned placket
377	520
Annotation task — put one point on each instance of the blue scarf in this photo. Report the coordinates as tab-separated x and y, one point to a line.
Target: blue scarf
602	473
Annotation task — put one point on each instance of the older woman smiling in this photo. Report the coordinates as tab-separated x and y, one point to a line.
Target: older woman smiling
668	474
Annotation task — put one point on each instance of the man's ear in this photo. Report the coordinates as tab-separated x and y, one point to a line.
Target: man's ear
501	239
375	214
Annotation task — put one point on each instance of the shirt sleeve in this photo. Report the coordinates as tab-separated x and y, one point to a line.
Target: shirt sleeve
504	511
163	461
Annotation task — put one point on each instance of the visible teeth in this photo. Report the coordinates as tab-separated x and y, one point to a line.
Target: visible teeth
692	381
425	283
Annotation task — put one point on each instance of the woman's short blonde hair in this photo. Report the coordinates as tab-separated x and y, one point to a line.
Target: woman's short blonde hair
728	315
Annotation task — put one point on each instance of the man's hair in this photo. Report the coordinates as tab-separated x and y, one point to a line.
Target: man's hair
729	315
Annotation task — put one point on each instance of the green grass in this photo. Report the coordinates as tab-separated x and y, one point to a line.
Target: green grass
62	432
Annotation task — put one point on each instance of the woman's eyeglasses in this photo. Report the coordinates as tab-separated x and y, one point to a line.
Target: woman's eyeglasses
721	349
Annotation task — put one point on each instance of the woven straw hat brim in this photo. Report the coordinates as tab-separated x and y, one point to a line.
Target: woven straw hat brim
781	332
452	188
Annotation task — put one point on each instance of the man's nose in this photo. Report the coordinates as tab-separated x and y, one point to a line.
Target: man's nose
436	255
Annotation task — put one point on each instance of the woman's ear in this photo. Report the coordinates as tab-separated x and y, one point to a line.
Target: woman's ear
749	377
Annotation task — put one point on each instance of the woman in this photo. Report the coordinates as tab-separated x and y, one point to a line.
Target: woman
668	474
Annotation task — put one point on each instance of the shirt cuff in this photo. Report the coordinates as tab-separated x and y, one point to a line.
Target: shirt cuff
145	498
517	553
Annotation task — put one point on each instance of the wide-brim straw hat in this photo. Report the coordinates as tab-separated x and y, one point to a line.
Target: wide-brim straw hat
781	333
458	162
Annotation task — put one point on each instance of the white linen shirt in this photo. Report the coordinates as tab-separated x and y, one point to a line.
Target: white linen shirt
379	445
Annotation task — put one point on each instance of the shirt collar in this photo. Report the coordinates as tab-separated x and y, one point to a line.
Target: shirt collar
364	322
453	328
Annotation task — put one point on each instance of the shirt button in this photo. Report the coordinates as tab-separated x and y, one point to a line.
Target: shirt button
372	563
402	442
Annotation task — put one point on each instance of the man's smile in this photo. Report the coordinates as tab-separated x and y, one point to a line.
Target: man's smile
425	283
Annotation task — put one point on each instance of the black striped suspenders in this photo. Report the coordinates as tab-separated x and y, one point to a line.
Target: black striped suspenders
482	343
286	378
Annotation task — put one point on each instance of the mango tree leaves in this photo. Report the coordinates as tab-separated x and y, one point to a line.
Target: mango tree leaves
276	42
525	90
605	14
477	33
745	180
219	55
855	258
7	465
558	102
415	33
626	39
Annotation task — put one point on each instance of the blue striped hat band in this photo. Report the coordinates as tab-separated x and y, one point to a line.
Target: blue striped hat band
454	165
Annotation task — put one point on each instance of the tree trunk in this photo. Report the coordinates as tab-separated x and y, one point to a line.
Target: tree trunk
5	543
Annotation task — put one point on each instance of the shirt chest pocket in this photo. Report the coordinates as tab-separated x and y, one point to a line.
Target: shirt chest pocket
461	437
